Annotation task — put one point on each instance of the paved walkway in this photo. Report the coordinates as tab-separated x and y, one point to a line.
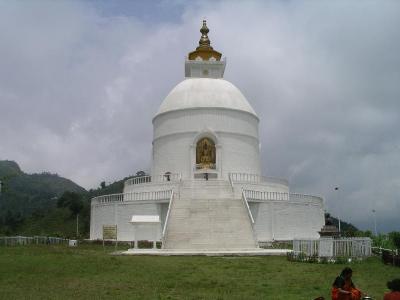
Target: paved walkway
237	252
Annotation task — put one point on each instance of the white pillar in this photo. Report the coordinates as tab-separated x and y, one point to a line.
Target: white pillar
135	244
155	226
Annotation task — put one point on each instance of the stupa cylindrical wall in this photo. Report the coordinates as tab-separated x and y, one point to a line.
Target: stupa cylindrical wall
205	108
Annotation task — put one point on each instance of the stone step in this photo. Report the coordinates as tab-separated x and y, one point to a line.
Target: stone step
204	215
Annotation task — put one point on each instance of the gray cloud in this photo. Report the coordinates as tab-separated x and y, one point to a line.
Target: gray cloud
80	83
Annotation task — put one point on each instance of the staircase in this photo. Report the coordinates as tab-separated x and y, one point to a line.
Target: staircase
205	215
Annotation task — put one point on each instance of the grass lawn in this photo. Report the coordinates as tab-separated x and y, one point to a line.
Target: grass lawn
87	272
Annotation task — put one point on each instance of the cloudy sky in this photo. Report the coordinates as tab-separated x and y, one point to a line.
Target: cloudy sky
81	80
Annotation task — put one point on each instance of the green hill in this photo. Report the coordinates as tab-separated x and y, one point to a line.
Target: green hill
28	202
346	228
9	169
25	193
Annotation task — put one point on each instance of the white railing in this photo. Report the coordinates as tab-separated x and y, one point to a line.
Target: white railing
138	180
250	215
168	177
259	195
167	219
255	178
108	198
244	199
156	195
279	196
297	196
330	247
29	240
380	250
232	185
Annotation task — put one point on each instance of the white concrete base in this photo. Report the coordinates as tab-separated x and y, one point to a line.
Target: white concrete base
191	252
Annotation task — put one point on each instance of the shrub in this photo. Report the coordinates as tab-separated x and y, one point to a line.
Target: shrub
395	237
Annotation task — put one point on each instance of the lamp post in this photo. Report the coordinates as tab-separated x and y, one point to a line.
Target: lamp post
77	225
374	214
337	200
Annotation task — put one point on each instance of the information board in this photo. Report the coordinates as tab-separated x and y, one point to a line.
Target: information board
109	232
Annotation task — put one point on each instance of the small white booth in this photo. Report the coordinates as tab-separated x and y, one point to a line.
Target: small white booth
145	220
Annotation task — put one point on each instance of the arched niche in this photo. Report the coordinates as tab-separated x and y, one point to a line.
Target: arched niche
205	154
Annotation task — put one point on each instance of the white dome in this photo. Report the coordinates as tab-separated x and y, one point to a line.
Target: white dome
205	92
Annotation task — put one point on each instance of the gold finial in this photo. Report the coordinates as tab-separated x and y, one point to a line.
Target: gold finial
204	40
204	50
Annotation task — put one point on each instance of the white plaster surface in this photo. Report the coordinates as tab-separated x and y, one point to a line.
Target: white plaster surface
120	213
205	92
234	132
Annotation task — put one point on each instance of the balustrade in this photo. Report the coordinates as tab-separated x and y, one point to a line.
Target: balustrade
139	196
261	195
255	178
167	177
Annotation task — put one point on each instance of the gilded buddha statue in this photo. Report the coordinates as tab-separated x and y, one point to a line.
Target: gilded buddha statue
205	154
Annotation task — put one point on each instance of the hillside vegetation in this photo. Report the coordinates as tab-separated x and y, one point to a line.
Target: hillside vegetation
30	204
22	194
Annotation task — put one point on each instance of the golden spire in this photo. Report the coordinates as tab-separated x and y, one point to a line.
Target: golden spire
204	40
204	51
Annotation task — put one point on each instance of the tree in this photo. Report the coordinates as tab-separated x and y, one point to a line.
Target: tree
12	221
74	202
103	184
71	200
140	173
395	237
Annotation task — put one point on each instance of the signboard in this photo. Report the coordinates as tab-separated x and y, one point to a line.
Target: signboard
109	232
145	219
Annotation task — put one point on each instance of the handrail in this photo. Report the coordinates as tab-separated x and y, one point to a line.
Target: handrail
167	216
231	182
244	199
167	219
255	178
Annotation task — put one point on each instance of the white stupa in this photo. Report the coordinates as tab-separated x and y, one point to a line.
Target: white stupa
206	182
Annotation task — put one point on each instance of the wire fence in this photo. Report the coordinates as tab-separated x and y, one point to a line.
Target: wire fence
31	240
